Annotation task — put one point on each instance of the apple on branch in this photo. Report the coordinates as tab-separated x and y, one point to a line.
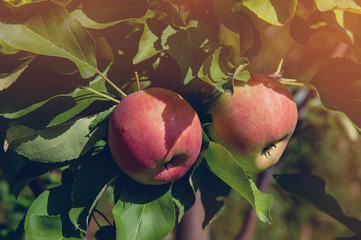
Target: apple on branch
154	136
255	123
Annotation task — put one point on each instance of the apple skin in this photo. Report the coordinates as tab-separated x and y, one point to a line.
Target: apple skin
255	123
154	136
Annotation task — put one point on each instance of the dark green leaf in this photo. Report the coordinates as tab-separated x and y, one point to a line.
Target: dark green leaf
129	191
102	14
312	189
149	43
355	237
54	144
224	166
338	83
183	195
212	189
81	98
90	182
46	28
6	79
152	221
106	233
52	207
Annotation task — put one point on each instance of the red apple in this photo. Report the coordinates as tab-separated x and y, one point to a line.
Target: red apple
155	136
255	123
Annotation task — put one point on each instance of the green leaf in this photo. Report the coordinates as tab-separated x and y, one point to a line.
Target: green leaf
183	195
81	98
100	117
346	5
106	233
338	83
213	190
312	189
129	191
46	28
45	228
177	44
86	191
355	237
53	206
224	166
214	70
273	12
54	144
149	43
6	79
102	14
151	221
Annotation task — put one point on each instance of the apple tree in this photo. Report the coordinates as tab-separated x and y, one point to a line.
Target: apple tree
66	64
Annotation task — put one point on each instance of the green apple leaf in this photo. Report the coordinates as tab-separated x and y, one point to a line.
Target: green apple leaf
338	83
54	144
6	79
177	44
102	14
312	189
106	233
188	46
100	118
183	195
213	190
242	30
355	237
46	227
129	191
346	5
214	70
81	98
152	221
86	191
149	43
46	28
224	166
47	213
273	12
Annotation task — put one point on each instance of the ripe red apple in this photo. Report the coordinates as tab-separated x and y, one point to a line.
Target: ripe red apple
155	136
255	123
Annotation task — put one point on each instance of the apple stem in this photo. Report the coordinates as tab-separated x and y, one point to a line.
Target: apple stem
101	94
293	82
137	79
123	95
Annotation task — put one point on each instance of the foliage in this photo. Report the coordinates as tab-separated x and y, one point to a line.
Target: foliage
65	64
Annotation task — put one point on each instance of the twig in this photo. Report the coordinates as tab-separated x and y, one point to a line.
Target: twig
101	94
111	83
137	79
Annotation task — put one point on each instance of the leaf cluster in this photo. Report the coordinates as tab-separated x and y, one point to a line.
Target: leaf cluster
65	64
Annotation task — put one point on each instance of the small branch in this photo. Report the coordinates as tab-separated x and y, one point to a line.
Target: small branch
101	94
111	83
137	79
